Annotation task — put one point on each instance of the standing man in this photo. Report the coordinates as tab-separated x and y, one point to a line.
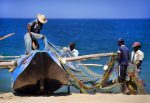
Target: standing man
137	56
123	59
74	51
33	34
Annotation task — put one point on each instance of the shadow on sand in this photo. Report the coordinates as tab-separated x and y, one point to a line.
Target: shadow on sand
42	94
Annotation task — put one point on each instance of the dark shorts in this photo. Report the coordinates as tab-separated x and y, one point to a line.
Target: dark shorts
122	73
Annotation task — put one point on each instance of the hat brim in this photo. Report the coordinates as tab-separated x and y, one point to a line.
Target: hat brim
136	46
41	19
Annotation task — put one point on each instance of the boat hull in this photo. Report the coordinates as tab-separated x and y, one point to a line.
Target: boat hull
40	72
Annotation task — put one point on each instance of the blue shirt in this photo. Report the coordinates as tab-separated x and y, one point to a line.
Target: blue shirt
124	55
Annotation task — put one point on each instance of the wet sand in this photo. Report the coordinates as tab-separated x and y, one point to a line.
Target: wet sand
74	98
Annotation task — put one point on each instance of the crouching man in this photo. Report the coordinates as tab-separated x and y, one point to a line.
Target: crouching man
33	34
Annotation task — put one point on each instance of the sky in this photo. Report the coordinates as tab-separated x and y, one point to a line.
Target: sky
75	8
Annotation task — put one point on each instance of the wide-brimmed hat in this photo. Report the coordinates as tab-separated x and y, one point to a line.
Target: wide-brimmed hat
135	44
41	18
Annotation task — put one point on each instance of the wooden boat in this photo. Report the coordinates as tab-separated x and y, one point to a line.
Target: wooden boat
40	71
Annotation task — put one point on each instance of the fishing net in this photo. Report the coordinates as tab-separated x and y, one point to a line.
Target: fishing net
86	80
136	85
81	76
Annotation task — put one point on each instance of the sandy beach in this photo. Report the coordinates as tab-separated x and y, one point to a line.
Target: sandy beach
75	98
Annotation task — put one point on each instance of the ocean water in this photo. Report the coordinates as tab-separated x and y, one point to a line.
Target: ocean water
90	35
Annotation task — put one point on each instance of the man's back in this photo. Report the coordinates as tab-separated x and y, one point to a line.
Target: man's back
124	55
75	52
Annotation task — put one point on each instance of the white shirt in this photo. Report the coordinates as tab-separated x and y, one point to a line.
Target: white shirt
135	57
75	52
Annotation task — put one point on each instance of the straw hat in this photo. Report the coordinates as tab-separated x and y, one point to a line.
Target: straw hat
41	18
135	44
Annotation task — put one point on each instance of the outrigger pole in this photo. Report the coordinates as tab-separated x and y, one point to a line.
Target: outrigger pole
95	65
6	36
84	57
7	63
4	57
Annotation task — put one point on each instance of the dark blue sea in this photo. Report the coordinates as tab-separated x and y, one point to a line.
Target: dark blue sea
90	35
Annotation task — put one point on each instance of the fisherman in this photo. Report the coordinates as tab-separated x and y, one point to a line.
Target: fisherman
137	56
74	51
33	34
123	59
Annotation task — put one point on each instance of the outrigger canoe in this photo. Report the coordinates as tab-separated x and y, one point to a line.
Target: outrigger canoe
43	71
40	71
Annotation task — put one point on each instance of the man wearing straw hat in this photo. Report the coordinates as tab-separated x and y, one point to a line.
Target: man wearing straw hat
33	34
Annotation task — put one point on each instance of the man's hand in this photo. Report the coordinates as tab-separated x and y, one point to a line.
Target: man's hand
34	46
65	49
43	37
139	64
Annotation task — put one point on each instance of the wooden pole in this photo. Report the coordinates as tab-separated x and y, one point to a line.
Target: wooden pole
4	57
89	56
6	36
7	63
95	65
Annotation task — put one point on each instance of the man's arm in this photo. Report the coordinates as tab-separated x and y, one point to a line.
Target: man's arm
141	57
29	28
119	54
129	56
